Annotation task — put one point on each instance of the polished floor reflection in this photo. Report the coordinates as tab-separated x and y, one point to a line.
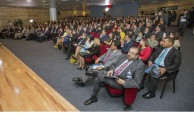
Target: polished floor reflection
22	90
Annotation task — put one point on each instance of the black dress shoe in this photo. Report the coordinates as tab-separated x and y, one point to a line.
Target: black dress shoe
149	95
67	58
127	108
91	100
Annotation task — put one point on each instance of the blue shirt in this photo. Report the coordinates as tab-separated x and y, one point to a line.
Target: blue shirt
164	56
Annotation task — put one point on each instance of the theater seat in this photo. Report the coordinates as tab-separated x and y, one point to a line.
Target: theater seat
128	95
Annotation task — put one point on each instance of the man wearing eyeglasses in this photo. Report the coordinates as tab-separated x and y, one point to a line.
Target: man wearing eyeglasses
127	72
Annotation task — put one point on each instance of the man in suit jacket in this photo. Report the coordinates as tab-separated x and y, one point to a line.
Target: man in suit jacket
103	62
127	44
128	69
112	55
170	60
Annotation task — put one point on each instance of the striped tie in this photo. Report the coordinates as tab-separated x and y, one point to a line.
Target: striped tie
121	68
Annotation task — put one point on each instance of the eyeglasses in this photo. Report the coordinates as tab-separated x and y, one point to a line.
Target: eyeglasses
133	53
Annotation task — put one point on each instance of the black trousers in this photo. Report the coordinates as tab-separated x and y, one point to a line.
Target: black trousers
152	86
182	27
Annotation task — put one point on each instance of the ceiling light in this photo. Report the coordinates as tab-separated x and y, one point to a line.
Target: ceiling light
31	20
106	9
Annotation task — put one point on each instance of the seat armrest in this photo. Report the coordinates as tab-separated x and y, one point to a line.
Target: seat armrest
172	71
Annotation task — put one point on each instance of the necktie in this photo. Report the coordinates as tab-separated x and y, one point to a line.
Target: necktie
160	57
119	69
107	57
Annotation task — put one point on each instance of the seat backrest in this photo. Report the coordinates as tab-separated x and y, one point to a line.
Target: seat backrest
103	49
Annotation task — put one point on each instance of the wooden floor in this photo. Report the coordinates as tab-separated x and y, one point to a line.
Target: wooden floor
22	90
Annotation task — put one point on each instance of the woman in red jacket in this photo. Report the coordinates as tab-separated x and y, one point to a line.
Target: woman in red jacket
145	50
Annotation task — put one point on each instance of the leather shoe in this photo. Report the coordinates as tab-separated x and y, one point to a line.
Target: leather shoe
91	100
148	95
127	108
67	58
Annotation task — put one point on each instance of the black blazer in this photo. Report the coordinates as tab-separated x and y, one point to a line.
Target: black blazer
172	60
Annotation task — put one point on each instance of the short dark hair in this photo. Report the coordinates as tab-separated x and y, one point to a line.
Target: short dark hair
138	50
117	43
170	40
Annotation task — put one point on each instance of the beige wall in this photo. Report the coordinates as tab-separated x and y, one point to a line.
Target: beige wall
25	14
184	4
73	13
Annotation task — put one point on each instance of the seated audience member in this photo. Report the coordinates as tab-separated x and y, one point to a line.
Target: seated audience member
147	33
109	41
175	36
162	24
163	59
18	32
128	72
43	35
4	33
103	36
59	35
145	50
88	44
152	41
103	62
61	39
112	55
158	33
95	48
139	37
78	46
122	33
126	44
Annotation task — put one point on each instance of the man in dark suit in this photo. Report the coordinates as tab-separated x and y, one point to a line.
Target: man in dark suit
167	59
128	71
127	43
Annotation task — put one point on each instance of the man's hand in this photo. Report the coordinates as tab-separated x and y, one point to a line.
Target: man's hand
162	70
120	81
75	44
110	73
150	63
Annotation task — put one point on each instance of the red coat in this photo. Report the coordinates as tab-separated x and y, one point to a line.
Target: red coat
145	53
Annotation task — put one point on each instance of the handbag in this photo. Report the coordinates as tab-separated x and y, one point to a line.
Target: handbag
72	60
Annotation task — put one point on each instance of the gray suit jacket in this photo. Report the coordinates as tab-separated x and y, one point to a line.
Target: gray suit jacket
113	58
133	74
